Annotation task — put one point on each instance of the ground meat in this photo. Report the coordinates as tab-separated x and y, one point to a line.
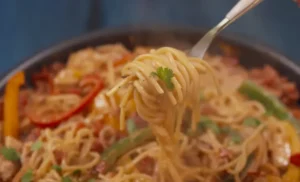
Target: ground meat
146	165
121	134
97	146
23	100
1	131
59	155
225	153
139	122
296	111
55	68
33	135
7	169
207	109
43	80
99	169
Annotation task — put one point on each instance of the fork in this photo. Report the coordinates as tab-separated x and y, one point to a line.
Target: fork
241	8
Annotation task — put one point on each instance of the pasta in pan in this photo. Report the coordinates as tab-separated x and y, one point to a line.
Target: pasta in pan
110	115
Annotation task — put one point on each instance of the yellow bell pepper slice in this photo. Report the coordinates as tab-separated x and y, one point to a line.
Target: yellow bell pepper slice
11	105
293	172
271	178
112	121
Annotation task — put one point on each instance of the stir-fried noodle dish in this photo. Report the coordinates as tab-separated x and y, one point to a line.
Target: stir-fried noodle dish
149	115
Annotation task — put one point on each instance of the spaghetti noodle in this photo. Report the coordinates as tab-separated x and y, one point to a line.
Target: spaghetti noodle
151	115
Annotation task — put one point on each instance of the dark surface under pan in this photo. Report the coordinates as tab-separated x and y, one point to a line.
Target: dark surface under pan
251	52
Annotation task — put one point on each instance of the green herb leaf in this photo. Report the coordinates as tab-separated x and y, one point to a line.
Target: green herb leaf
91	180
268	113
77	172
226	129
10	154
234	135
131	127
165	74
36	146
252	122
57	168
206	123
27	177
66	179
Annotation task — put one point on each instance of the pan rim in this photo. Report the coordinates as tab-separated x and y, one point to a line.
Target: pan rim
246	41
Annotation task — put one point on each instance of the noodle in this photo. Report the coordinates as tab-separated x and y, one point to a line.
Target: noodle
162	116
75	146
152	97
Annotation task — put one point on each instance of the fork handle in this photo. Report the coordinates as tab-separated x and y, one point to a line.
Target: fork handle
240	8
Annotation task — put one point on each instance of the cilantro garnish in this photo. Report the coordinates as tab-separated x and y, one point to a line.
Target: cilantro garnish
66	179
252	122
77	172
234	135
27	177
206	123
10	154
57	168
165	74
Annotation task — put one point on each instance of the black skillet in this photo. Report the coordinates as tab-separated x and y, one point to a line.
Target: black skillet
251	52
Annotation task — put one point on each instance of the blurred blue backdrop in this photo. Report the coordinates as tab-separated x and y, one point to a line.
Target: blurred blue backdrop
32	25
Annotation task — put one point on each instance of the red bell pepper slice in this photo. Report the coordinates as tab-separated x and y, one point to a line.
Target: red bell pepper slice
295	159
56	120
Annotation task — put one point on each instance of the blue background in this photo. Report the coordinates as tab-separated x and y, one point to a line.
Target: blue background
28	26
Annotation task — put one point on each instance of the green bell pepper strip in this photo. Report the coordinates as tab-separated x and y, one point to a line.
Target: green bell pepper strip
131	126
137	138
248	88
271	103
111	155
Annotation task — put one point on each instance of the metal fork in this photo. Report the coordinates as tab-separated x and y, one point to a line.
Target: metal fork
242	7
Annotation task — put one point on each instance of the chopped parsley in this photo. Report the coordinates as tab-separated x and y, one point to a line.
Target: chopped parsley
234	135
206	123
268	113
66	179
36	146
77	172
252	122
57	168
10	154
165	74
27	177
